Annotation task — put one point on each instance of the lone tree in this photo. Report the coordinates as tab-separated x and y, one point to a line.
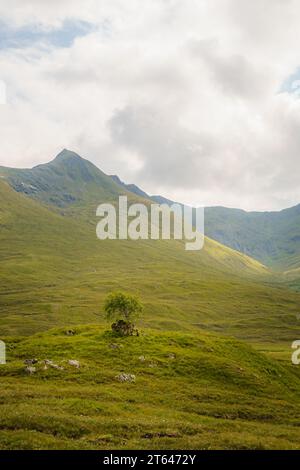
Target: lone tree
124	309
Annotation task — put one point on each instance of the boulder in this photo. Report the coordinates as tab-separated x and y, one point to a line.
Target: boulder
123	328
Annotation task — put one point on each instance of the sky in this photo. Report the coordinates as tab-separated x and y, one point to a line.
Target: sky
197	100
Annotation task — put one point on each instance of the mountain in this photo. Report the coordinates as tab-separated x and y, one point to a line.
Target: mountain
70	182
130	187
196	385
67	180
133	188
53	269
273	238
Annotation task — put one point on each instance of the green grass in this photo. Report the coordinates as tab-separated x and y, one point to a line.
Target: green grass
54	272
213	393
218	392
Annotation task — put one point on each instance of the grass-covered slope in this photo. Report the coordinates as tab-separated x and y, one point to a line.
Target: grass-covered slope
273	238
199	391
193	389
53	271
70	182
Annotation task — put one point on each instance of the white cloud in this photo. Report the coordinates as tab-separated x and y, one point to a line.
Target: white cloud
179	97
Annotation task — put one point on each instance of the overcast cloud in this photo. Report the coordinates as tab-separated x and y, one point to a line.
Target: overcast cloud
197	100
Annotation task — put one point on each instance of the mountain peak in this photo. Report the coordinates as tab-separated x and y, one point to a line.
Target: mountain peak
72	164
66	179
66	155
69	164
65	158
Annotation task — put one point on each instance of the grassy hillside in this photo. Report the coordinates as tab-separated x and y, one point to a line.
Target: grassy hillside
195	386
55	271
69	182
273	238
191	391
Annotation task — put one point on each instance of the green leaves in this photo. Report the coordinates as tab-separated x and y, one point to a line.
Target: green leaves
120	305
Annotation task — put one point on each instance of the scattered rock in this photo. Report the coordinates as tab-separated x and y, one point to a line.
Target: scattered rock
30	362
124	328
30	370
70	332
160	434
130	378
142	358
74	363
51	364
56	366
48	362
171	356
114	346
152	364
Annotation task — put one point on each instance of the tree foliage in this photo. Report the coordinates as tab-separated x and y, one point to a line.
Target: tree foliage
119	305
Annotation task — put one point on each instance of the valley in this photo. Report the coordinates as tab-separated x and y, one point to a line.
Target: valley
226	320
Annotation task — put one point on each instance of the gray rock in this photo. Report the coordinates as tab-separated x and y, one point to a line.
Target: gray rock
130	378
74	363
48	362
70	332
171	356
30	362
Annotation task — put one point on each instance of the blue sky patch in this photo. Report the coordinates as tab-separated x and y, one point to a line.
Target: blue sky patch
33	34
292	84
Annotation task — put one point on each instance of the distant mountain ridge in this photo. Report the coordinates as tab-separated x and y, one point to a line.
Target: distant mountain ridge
139	192
272	238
